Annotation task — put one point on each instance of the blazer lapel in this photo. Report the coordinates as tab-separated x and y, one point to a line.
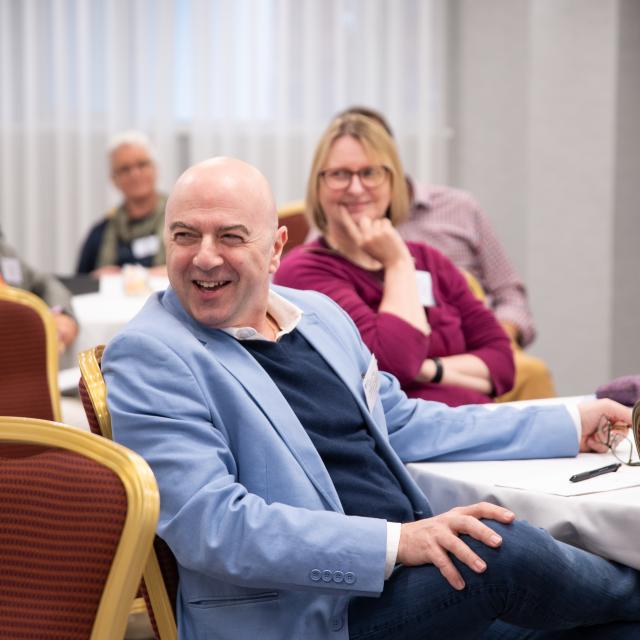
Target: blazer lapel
259	386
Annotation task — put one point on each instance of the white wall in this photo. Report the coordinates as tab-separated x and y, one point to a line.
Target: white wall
626	271
547	96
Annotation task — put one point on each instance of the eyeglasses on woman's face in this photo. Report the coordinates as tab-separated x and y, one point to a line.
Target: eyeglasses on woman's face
370	177
617	442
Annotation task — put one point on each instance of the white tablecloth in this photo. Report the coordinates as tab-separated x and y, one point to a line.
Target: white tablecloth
101	315
605	523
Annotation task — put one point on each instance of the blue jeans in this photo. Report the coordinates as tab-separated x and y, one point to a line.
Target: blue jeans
534	587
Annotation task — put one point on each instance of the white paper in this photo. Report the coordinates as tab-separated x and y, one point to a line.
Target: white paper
425	289
145	247
554	477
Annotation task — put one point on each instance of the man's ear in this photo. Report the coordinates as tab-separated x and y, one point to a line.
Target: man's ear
282	235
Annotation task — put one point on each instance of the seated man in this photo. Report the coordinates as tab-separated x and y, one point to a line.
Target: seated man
16	273
452	221
278	448
132	232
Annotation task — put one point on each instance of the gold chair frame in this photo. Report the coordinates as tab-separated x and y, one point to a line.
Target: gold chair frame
89	363
32	301
143	507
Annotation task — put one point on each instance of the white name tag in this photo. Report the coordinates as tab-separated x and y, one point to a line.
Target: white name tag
145	246
11	271
371	384
425	289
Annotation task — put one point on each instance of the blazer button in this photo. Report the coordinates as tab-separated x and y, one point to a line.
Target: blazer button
326	575
350	577
337	623
338	576
315	575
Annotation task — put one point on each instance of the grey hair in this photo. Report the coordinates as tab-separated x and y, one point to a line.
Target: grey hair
132	137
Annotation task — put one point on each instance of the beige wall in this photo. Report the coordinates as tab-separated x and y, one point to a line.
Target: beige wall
547	97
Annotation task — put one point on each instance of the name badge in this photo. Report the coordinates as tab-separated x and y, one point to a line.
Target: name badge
425	289
11	271
145	246
371	384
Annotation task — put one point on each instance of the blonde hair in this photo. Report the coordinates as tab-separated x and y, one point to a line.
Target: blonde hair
378	144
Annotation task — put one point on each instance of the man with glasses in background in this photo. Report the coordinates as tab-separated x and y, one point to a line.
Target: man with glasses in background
132	232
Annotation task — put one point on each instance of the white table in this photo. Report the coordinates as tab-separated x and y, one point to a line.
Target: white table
100	316
605	523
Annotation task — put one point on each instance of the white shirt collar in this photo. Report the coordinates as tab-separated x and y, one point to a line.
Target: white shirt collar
285	313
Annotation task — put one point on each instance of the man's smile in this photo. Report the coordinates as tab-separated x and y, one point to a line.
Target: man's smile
211	285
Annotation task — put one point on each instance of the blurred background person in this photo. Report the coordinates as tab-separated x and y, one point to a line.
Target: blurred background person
16	273
132	232
454	223
411	304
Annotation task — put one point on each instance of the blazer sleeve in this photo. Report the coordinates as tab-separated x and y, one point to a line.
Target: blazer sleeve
500	280
421	430
213	524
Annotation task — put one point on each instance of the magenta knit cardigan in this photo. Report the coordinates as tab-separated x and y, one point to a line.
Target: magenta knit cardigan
460	323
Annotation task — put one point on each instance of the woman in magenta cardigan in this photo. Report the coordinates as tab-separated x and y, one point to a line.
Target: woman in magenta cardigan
412	306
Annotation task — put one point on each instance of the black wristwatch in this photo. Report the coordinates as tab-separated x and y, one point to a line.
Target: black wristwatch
437	376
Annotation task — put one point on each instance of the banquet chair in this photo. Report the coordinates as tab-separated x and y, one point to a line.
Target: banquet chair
292	216
77	518
160	577
474	285
28	357
533	378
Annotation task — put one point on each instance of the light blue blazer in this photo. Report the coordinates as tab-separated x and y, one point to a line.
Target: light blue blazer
263	546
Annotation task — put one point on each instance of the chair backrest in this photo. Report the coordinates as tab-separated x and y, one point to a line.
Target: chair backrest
28	357
474	285
160	577
77	518
292	216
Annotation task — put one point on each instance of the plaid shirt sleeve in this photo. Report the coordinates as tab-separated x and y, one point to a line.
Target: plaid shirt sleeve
453	222
506	290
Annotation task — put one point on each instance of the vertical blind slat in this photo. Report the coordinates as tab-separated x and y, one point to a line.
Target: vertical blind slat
255	78
29	172
8	206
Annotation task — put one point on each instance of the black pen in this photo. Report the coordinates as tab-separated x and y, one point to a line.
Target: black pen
585	475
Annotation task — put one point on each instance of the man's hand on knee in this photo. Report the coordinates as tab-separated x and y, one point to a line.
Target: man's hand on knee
430	541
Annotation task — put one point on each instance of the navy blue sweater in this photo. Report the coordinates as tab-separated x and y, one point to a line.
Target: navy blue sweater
332	419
